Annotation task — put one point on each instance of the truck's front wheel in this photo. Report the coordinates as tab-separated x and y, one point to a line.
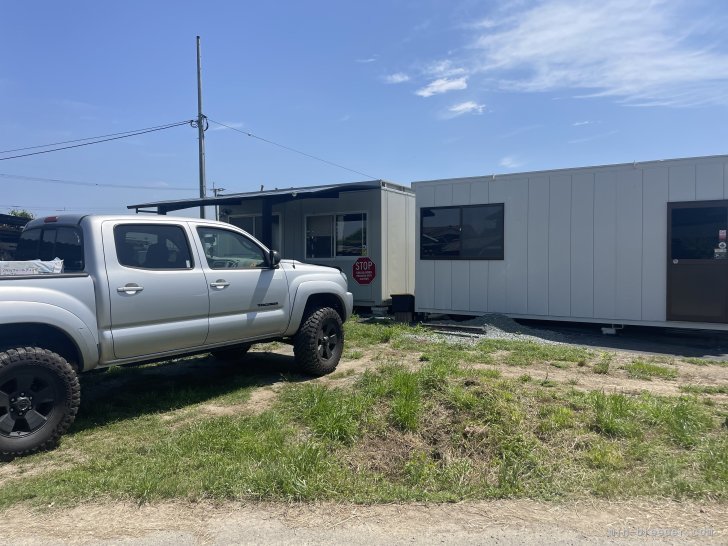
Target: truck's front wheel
319	342
39	398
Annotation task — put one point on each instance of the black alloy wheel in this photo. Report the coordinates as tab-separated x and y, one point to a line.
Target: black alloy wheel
39	398
319	342
328	339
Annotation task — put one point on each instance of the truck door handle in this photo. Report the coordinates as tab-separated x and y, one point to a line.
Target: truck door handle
220	283
130	288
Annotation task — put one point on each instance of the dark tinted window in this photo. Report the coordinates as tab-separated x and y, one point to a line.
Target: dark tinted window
462	233
482	232
53	242
47	244
696	232
351	234
440	235
28	245
152	246
319	237
69	247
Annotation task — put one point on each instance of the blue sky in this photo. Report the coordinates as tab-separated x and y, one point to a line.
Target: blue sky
400	90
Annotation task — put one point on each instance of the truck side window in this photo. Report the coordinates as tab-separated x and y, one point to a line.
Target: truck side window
152	246
230	250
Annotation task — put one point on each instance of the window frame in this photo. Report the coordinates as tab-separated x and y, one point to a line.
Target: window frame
460	208
671	206
333	215
244	234
55	227
141	267
365	241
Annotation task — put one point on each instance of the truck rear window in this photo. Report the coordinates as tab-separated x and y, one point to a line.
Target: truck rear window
48	243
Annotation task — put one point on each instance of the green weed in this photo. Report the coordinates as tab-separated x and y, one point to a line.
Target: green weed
640	369
704	389
614	415
602	367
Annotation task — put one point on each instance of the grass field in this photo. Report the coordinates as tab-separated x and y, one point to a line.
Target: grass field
405	418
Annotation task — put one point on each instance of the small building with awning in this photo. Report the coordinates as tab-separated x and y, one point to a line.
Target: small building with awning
366	229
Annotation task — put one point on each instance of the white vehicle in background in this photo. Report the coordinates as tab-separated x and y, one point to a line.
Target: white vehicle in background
138	289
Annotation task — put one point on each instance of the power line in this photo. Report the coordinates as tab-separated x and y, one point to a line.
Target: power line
91	184
80	139
126	135
61	209
251	135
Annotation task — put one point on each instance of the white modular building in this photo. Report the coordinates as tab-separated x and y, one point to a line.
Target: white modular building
637	243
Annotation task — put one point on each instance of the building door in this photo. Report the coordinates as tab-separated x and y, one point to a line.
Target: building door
697	268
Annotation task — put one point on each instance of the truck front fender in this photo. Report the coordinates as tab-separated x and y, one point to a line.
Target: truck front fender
307	289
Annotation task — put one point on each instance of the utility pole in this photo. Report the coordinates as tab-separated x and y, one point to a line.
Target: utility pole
201	121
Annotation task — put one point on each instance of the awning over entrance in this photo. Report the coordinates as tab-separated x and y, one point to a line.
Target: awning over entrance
268	199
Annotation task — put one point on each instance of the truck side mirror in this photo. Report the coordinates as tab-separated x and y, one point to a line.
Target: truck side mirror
274	258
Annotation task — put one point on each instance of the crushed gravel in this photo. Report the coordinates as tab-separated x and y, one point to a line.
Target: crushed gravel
489	326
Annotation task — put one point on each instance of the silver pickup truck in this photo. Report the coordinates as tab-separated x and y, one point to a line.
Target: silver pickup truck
137	289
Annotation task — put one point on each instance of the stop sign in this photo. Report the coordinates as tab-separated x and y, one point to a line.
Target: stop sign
364	270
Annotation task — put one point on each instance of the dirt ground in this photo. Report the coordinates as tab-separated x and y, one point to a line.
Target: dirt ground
495	522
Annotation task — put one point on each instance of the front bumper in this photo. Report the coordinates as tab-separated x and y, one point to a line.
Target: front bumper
348	304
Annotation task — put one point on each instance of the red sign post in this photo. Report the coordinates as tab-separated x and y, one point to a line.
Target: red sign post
364	270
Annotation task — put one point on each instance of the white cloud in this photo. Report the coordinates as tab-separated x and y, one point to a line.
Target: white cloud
467	107
367	60
444	69
398	77
581	123
510	162
641	53
442	85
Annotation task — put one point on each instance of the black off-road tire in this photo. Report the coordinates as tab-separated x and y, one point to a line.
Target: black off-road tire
231	353
319	342
39	398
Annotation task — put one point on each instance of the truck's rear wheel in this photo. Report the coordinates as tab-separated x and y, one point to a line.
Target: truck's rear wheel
319	342
39	398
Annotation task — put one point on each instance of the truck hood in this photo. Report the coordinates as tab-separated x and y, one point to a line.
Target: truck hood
295	265
294	268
